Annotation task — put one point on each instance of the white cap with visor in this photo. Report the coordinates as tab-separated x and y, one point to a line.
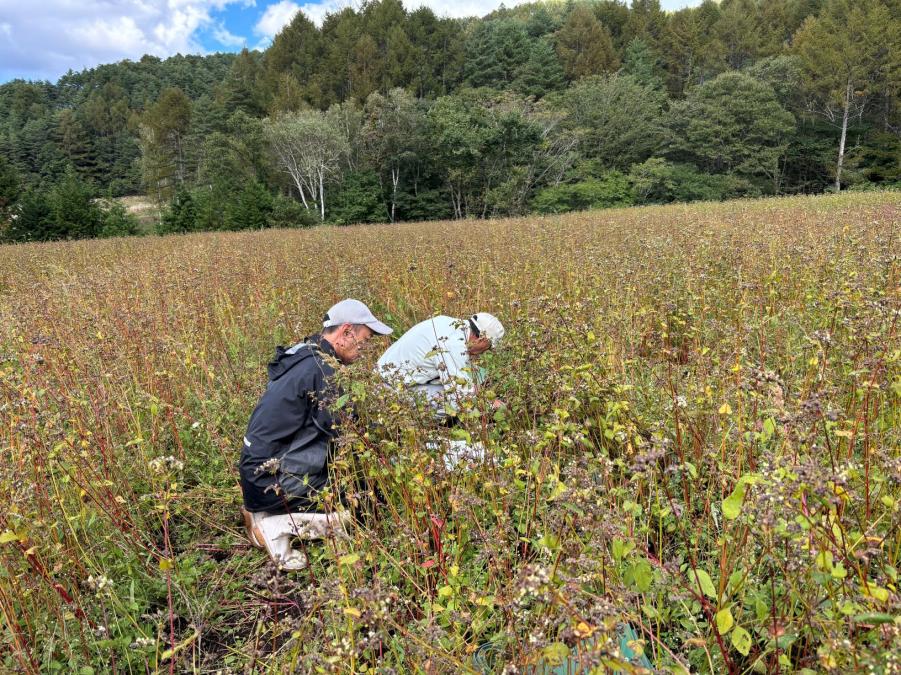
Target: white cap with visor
355	312
487	325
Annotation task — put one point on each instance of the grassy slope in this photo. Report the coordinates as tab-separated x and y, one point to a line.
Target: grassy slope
655	356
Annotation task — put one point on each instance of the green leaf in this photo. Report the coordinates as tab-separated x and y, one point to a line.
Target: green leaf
877	618
824	561
641	575
348	559
620	549
733	503
706	583
555	653
7	536
741	640
724	621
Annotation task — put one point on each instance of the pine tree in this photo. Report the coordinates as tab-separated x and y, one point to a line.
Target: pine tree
848	52
181	216
585	46
542	73
641	62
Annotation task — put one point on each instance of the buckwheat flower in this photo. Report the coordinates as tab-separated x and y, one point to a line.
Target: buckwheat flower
269	466
99	584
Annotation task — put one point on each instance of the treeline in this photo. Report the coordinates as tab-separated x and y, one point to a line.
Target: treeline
384	114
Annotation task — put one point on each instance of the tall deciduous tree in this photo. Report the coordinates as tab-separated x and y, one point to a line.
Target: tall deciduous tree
393	139
849	51
584	45
164	127
732	124
618	121
309	148
484	142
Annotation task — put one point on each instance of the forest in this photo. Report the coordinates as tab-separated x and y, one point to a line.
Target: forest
383	114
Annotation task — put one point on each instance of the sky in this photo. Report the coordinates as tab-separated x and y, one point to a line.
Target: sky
43	39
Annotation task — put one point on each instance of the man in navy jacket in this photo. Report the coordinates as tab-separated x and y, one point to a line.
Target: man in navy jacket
288	444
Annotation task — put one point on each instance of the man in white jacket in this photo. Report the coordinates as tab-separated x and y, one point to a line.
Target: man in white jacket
433	358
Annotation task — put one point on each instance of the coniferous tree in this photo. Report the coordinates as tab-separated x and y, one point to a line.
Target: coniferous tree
584	45
848	52
641	62
495	53
10	189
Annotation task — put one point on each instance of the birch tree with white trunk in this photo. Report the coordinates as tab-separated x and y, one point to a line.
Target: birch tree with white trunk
848	52
310	148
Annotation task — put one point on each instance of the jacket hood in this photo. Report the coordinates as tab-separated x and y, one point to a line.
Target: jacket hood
287	357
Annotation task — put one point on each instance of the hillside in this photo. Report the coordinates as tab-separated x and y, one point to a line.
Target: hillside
700	439
385	113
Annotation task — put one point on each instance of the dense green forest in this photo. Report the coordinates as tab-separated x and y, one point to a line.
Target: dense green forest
384	114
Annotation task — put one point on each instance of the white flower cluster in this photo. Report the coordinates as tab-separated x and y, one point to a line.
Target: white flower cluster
162	464
99	584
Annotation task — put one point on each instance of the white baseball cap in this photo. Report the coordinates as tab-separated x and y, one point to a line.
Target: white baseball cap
354	311
487	325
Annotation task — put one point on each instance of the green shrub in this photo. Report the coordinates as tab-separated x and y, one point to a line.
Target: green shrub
612	189
288	212
117	221
181	216
658	181
358	199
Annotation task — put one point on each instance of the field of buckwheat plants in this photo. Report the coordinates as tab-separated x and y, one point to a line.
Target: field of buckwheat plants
700	448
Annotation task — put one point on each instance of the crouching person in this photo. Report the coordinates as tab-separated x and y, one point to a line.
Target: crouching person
434	362
284	463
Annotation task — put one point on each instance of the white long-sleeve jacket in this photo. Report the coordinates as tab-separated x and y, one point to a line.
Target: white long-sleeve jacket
432	358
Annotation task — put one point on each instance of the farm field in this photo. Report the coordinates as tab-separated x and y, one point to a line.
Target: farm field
701	441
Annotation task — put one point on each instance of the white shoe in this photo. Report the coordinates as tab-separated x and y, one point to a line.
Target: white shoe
251	522
275	533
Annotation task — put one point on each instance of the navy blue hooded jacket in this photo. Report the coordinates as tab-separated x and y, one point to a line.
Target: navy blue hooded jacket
292	426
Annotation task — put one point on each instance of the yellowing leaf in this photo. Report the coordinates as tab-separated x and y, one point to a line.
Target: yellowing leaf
7	536
348	559
877	592
556	652
352	611
724	621
741	640
733	503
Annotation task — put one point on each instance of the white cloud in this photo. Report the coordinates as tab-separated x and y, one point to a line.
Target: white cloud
45	42
275	18
42	39
226	38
